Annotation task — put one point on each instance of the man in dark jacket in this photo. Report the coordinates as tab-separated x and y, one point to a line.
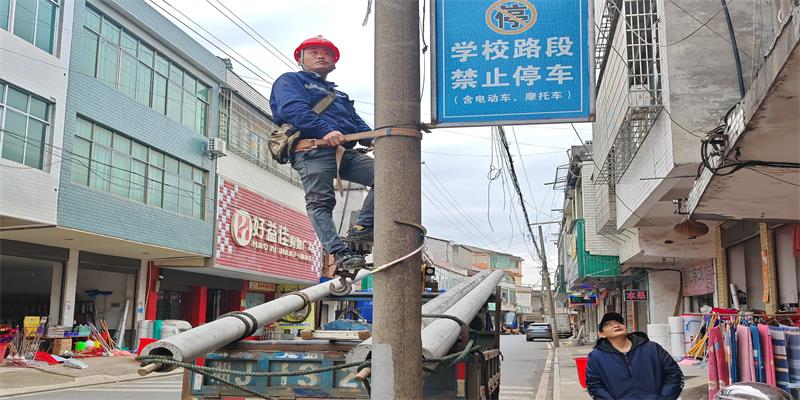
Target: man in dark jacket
630	366
294	95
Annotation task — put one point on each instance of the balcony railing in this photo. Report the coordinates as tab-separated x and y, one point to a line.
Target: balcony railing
246	131
644	86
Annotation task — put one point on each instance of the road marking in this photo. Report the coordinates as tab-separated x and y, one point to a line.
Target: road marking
168	377
504	387
149	385
515	392
550	345
541	392
140	386
140	390
556	378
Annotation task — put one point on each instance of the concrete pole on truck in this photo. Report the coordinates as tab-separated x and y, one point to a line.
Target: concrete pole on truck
396	341
546	284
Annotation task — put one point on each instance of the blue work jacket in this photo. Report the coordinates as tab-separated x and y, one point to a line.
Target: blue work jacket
294	94
646	372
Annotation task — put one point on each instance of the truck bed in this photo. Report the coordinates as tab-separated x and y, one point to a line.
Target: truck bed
282	356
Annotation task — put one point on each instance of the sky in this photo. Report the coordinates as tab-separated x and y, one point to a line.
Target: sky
460	201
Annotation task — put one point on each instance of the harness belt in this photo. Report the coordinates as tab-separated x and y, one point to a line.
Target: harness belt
312	144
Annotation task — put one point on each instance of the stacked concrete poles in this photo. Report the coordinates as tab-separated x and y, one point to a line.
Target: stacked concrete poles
441	304
440	335
397	346
196	342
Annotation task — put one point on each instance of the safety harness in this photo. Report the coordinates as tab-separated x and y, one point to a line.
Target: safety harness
313	144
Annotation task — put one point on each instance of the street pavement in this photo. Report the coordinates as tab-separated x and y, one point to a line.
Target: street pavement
523	367
162	388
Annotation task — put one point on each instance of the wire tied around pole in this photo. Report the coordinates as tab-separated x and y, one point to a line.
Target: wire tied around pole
250	327
303	312
422	231
459	321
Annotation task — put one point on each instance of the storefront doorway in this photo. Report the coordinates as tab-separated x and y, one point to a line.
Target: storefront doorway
25	288
170	305
106	291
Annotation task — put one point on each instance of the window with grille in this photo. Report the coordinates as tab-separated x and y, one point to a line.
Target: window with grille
642	46
246	130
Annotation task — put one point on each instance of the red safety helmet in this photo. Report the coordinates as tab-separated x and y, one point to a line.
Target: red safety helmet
316	41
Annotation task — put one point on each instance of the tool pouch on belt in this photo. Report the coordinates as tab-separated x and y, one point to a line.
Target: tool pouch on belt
284	139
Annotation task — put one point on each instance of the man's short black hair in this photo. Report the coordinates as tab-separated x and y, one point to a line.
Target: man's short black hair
610	316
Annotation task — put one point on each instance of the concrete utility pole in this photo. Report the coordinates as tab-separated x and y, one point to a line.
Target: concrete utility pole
396	340
546	284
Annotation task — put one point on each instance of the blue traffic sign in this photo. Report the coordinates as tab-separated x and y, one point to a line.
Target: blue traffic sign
512	62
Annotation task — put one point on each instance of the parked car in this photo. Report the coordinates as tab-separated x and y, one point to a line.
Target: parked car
539	331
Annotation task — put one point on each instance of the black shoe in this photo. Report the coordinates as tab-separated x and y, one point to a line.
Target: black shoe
346	259
360	233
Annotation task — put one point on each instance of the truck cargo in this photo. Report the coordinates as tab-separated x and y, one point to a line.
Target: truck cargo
466	379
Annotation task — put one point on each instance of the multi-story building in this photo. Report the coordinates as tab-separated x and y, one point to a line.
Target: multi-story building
481	259
654	109
123	178
524	299
588	261
448	272
650	111
34	61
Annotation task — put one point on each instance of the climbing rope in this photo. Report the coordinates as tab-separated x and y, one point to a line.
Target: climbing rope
423	232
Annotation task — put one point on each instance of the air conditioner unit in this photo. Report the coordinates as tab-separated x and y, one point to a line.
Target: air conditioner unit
216	148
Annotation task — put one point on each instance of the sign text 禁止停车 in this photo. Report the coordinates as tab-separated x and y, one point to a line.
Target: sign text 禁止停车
512	62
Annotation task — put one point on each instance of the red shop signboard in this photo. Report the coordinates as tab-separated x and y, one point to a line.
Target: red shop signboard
261	235
635	295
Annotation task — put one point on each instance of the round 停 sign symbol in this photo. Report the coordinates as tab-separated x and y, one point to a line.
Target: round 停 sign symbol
508	17
242	227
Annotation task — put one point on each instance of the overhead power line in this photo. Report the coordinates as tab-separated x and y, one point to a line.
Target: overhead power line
209	41
448	216
218	39
273	50
515	182
453	202
525	172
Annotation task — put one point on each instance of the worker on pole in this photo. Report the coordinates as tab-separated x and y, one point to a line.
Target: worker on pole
295	99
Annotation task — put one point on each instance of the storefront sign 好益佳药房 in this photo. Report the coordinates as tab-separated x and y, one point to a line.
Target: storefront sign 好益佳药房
258	234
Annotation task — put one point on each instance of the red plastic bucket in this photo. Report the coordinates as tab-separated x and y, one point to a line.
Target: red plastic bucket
581	362
143	342
3	348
